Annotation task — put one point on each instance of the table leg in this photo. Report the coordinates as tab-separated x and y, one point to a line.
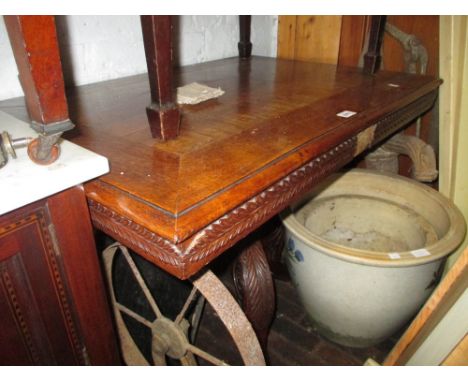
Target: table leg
254	284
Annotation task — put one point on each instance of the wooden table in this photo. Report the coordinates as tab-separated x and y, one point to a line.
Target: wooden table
238	160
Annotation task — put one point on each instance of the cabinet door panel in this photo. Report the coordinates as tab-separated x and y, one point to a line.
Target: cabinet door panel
22	325
38	323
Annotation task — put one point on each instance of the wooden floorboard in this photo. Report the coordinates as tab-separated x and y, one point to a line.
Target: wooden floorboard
293	340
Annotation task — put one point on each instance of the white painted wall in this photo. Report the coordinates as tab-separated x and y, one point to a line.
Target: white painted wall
98	48
9	84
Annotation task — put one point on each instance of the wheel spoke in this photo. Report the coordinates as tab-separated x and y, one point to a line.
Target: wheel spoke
159	359
208	357
186	305
134	315
196	318
188	360
142	283
173	337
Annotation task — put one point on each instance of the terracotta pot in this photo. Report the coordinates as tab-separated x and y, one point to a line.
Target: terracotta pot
365	250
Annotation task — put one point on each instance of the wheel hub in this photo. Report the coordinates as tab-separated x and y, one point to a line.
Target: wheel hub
169	338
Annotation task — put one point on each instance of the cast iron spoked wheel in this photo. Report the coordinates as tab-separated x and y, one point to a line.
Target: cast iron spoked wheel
173	331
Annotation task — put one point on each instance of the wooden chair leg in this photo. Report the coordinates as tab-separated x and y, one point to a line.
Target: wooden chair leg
163	113
372	58
244	45
35	48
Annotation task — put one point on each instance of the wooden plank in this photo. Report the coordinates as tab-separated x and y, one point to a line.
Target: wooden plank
352	41
459	355
318	38
286	36
447	103
448	291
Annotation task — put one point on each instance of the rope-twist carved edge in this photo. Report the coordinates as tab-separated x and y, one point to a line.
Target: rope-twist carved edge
245	218
226	230
135	236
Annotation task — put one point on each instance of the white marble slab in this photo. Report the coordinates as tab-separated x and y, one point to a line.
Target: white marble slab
23	182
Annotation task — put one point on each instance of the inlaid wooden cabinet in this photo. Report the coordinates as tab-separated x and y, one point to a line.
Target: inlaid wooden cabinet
53	309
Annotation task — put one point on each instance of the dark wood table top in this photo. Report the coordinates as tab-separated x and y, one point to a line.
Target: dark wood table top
239	159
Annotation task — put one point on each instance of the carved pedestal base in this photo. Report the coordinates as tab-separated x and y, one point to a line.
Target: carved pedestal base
254	285
273	239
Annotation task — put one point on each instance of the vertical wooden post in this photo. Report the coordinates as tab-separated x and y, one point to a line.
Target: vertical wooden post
163	113
244	45
35	48
372	57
